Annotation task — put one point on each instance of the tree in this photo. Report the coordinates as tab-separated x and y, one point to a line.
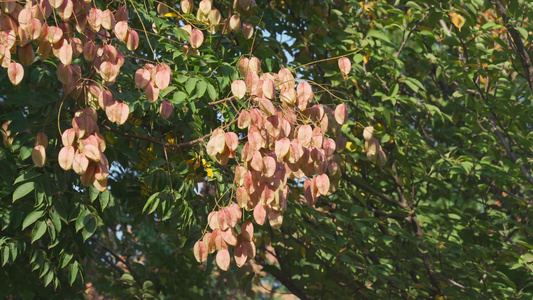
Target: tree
218	149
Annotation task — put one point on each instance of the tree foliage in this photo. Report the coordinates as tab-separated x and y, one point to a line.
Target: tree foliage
215	149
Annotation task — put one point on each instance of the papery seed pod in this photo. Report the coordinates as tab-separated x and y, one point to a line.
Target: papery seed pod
105	99
66	9
55	34
341	113
345	65
89	51
165	109
187	6
247	30
55	3
243	65
80	163
26	55
197	38
269	89
15	72
132	40
151	92
66	157
108	20
38	155
254	65
68	137
238	88
94	19
205	7
41	139
200	251
235	23
142	78
244	119
121	30
77	47
65	53
368	133
223	257
24	18
121	113
122	14
100	184
163	76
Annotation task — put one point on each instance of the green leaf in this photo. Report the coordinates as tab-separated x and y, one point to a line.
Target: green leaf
378	34
190	85
26	176
23	190
38	230
32	217
65	259
211	92
104	199
201	87
73	271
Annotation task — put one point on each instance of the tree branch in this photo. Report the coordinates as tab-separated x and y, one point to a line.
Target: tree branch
519	47
167	145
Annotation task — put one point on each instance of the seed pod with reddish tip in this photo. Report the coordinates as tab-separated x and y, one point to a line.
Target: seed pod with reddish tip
223	257
197	38
105	99
108	19
132	40
121	112
41	139
142	78
121	30
205	6
66	53
165	109
200	251
151	92
55	34
341	113
66	9
243	65
92	152
38	155
163	76
26	55
94	19
244	119
55	3
100	184
247	30
88	177
89	51
235	23
68	137
187	6
121	14
80	163
254	65
15	72
238	88
77	47
345	65
66	157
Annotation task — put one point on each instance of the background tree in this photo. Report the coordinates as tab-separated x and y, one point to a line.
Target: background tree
436	181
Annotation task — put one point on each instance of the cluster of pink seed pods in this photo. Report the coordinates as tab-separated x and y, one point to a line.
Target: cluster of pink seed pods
286	139
83	150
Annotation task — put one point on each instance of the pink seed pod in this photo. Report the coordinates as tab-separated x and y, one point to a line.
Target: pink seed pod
345	65
165	109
